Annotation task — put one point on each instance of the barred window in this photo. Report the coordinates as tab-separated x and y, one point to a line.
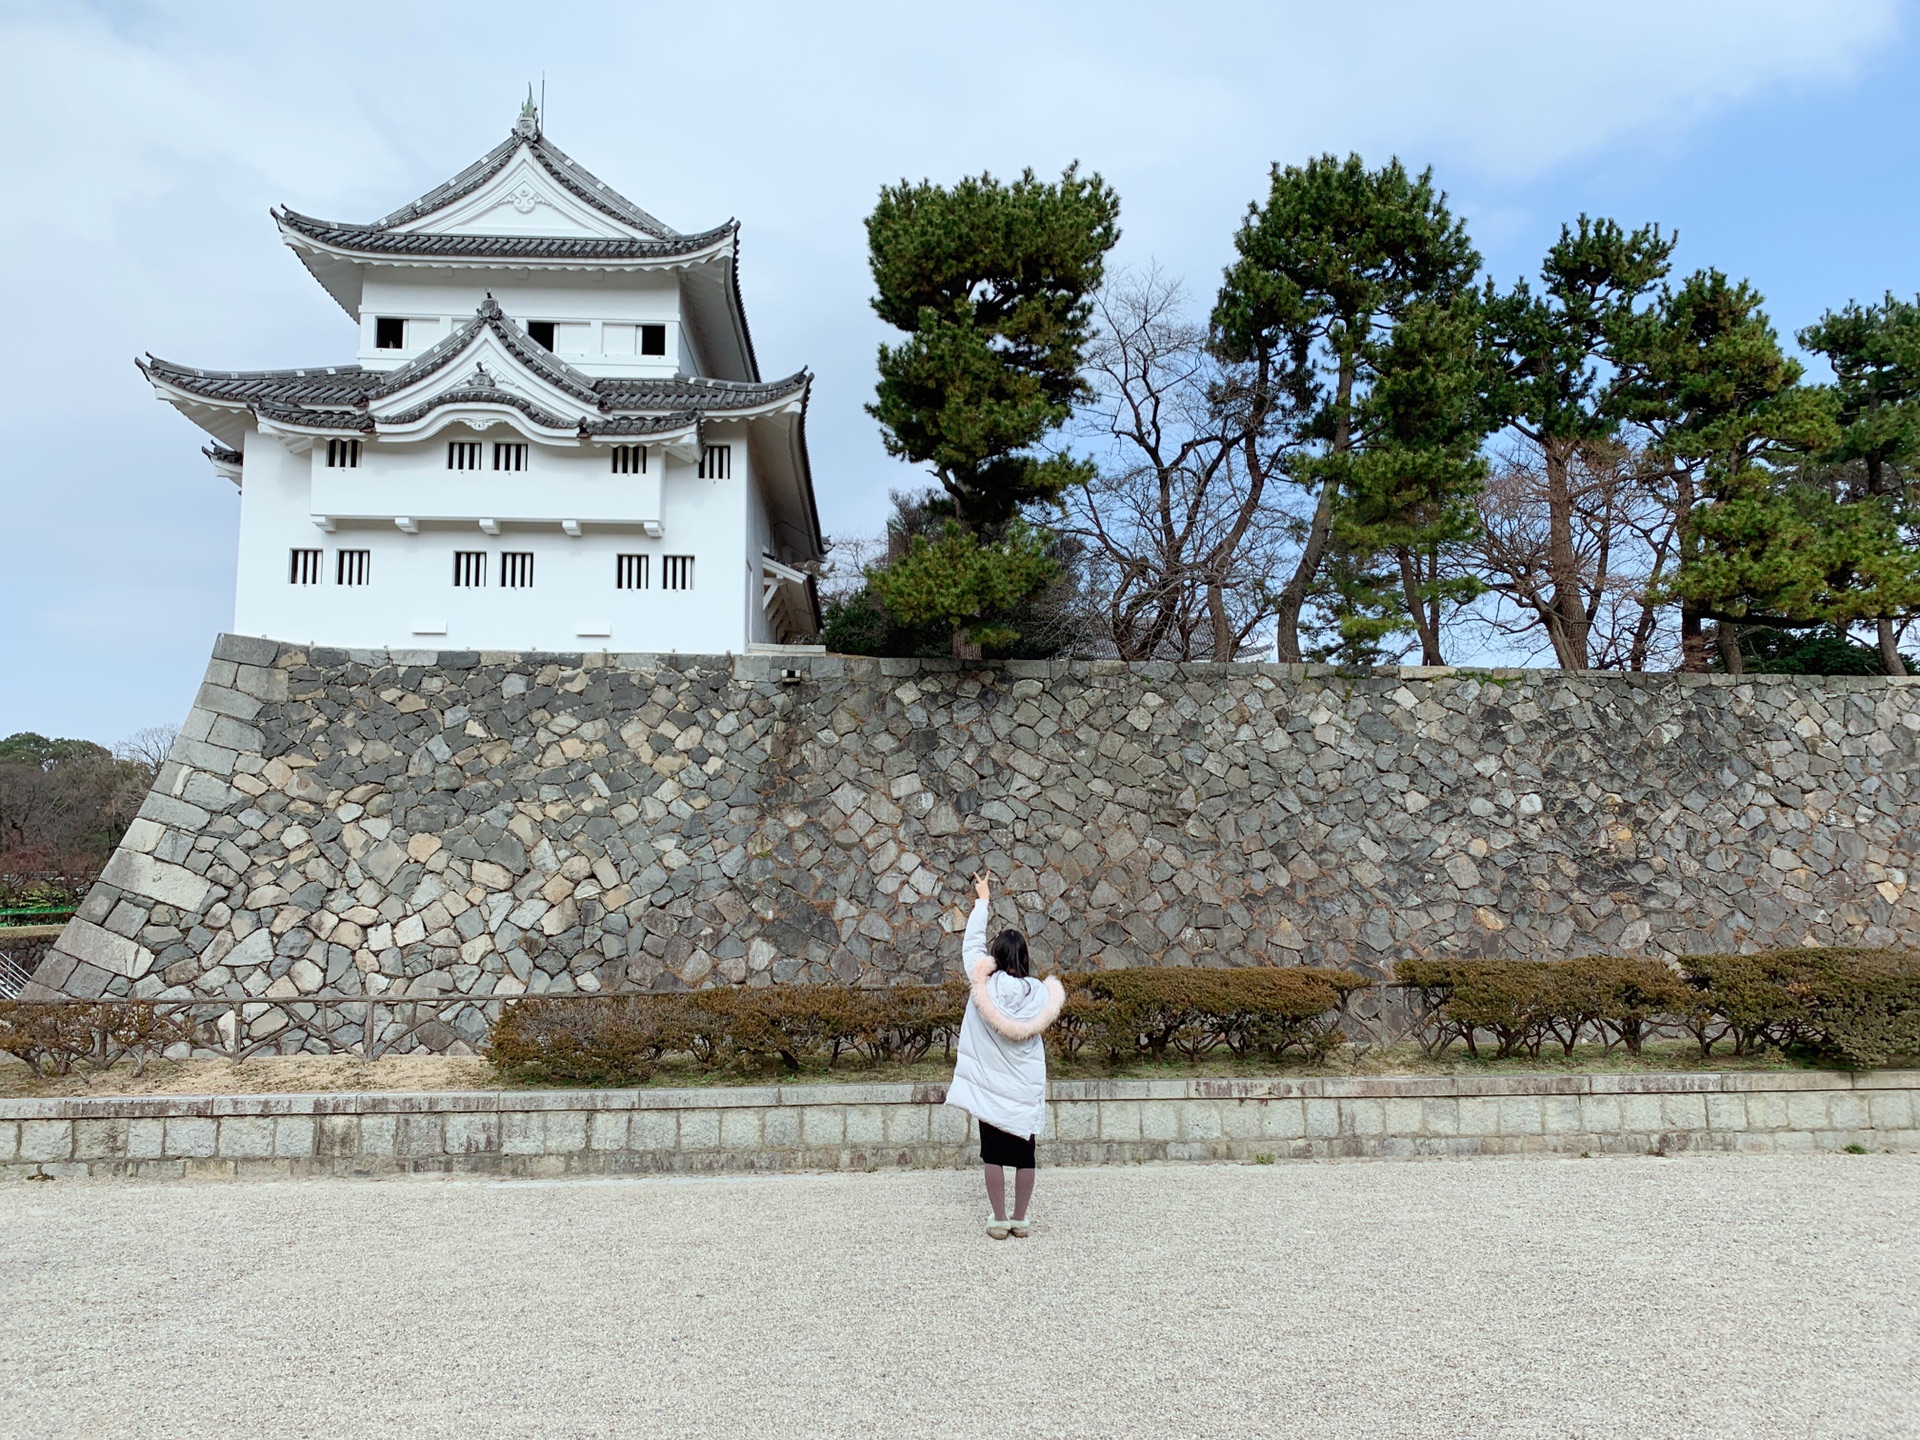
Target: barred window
469	568
343	454
676	572
716	462
630	572
303	567
509	456
629	459
653	339
516	569
350	567
463	454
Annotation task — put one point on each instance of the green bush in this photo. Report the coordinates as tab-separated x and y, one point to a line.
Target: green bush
1861	1007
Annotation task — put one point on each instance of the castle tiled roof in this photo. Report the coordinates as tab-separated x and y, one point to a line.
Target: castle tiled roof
557	163
376	240
347	397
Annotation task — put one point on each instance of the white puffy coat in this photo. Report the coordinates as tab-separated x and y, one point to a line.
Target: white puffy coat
1000	1075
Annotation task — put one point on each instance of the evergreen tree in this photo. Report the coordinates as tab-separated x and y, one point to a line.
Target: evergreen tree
1560	385
991	284
1708	379
1875	354
1327	267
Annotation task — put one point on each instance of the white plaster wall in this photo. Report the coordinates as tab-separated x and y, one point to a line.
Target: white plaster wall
410	598
441	301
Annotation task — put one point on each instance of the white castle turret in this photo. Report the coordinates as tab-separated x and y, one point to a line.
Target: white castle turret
554	436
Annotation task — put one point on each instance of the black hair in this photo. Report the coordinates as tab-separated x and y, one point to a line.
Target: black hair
1009	951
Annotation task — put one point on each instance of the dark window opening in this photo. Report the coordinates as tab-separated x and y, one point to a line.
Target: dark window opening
630	572
516	569
469	568
653	339
676	572
541	332
303	567
350	567
389	333
463	454
629	459
716	462
343	454
509	456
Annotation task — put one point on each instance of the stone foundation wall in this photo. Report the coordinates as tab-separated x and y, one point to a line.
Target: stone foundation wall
334	823
866	1127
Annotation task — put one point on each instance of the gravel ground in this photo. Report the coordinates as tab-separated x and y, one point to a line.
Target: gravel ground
1707	1295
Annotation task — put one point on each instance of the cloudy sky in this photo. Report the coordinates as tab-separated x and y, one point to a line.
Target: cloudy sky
151	139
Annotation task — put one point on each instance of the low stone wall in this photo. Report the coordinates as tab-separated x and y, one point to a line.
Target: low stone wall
336	822
868	1127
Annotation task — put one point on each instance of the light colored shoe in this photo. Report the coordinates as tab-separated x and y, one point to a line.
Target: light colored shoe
1019	1229
998	1229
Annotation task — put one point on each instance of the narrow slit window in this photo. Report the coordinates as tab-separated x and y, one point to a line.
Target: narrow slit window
630	572
716	462
463	454
350	567
541	333
343	454
509	456
676	572
389	332
516	569
469	568
303	567
653	339
629	459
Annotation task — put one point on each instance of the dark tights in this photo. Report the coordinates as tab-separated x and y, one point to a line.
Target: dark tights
997	1191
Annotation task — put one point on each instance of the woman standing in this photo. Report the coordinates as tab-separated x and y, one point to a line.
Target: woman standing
1000	1076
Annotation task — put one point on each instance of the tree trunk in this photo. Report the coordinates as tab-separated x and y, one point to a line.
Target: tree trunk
1890	661
1293	598
1426	621
1569	627
1726	638
964	645
1222	624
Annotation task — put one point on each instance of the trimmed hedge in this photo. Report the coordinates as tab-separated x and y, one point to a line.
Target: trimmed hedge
1860	1007
52	1039
1116	1013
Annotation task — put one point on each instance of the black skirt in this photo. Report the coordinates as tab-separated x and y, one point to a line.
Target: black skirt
997	1147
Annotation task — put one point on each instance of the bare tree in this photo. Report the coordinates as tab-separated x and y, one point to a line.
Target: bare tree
1180	549
148	746
1597	529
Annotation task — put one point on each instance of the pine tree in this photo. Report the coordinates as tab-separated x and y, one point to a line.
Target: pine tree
1875	354
992	284
1327	267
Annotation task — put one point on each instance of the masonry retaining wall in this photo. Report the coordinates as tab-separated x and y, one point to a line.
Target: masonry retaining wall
865	1127
335	822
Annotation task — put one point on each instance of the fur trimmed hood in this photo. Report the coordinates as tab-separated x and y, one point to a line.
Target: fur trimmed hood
1014	1027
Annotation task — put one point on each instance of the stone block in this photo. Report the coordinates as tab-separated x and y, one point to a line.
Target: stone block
169	884
146	1139
379	1137
1364	1117
1641	1114
740	1129
654	1130
1766	1110
1160	1119
866	1125
246	649
1519	1115
243	1137
420	1137
948	1126
1847	1110
1120	1119
1726	1112
1807	1111
1440	1116
1405	1117
1891	1110
191	1137
46	1140
1560	1114
476	1134
822	1125
1239	1119
101	1139
1283	1120
907	1124
780	1127
97	946
1479	1115
699	1129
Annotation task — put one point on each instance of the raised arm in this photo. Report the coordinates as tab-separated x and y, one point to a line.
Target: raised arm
973	945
